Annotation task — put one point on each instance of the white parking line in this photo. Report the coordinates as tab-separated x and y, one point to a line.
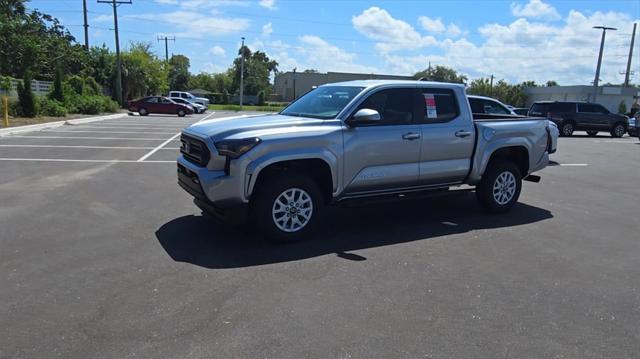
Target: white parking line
91	138
64	146
573	164
141	159
120	132
70	160
614	141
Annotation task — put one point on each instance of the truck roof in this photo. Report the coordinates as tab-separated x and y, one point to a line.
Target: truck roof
376	83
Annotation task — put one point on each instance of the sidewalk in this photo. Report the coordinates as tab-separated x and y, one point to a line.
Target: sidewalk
41	126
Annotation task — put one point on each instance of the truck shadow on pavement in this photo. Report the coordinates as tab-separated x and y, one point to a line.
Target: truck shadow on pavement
204	242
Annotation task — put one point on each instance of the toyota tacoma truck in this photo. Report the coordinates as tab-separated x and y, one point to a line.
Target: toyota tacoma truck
353	140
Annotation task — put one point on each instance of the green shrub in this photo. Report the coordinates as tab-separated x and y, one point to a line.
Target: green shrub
91	86
88	105
77	84
108	105
14	108
56	92
261	98
49	107
622	107
25	96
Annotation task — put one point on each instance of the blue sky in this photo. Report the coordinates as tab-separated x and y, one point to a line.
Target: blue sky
515	40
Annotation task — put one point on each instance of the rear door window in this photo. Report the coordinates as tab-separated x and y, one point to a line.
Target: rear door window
588	107
493	107
476	105
563	107
152	100
437	105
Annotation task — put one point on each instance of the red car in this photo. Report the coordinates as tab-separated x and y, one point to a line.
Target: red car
158	104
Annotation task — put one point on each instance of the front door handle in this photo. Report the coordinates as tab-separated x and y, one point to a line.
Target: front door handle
411	136
463	133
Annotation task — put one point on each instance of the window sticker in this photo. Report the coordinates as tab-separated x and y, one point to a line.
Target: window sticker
430	104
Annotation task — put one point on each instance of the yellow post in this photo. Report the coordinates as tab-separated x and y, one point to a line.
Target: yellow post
5	103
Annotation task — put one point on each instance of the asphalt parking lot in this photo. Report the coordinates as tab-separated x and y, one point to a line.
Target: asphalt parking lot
102	255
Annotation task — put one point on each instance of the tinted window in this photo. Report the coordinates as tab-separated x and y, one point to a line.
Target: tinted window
166	100
395	106
493	107
476	105
563	107
151	100
539	109
588	107
323	102
601	109
438	105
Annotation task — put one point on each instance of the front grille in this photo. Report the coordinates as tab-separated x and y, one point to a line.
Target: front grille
194	150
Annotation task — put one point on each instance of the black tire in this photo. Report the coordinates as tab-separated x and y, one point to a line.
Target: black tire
263	206
181	113
618	130
143	112
567	129
592	133
485	190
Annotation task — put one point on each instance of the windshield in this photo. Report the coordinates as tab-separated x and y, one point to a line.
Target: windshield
324	102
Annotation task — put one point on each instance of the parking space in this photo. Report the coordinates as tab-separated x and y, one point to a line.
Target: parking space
149	139
102	252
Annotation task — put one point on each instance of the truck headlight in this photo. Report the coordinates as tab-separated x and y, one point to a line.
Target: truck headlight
236	148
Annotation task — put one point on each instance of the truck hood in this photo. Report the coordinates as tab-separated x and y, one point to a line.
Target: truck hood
256	126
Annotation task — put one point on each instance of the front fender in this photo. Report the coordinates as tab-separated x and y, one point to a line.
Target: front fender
258	164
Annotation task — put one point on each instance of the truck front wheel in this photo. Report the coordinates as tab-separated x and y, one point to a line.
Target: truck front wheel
500	186
287	206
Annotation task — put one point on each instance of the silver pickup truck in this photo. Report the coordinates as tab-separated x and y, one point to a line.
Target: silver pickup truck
358	139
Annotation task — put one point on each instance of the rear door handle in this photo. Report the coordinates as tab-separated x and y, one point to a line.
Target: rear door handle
411	136
463	133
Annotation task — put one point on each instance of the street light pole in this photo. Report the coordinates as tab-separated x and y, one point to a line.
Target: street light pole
242	73
597	78
115	4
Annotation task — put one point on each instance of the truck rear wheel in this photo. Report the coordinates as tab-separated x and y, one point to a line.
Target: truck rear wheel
500	186
287	206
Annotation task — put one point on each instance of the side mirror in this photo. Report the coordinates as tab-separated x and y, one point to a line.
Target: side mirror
366	115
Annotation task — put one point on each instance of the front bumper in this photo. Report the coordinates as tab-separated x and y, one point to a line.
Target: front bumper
215	187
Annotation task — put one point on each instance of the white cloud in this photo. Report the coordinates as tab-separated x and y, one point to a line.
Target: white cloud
196	24
217	51
432	25
269	4
102	19
267	29
438	27
535	9
528	50
167	2
391	34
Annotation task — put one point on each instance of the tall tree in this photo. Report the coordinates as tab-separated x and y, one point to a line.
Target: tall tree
441	74
36	41
142	72
257	71
178	72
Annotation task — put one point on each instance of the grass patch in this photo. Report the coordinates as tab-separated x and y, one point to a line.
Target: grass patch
270	108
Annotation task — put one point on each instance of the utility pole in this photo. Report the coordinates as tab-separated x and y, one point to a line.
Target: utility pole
597	78
166	45
86	25
242	74
626	74
294	83
115	4
491	86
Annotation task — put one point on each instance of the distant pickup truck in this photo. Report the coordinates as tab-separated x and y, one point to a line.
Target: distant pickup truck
189	97
353	140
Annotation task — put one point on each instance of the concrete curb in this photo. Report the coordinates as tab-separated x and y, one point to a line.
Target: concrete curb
43	126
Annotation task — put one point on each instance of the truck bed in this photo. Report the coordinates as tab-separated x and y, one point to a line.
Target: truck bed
482	117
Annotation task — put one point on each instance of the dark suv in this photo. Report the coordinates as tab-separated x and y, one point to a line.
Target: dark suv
581	116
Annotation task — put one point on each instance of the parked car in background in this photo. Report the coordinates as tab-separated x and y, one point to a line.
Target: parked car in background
521	111
358	139
488	105
158	104
581	116
190	97
632	130
197	108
